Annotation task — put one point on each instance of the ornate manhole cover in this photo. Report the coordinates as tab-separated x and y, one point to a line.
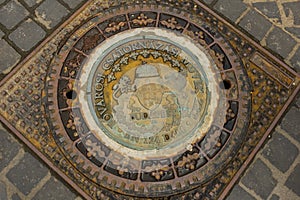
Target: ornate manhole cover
147	100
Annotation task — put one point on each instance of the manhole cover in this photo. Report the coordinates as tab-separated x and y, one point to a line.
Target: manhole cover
147	100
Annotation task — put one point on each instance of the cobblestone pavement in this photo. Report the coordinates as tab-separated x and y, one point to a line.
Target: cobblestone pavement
275	171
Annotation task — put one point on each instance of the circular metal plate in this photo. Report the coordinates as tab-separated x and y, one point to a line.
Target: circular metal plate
148	101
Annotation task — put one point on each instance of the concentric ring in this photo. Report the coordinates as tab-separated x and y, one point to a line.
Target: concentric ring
118	73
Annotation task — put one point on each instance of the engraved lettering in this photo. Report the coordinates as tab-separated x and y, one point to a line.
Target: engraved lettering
158	46
134	46
127	49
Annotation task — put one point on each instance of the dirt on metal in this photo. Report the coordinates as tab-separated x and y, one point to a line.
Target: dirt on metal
147	100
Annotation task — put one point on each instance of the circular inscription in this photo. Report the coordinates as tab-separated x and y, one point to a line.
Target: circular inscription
149	95
147	104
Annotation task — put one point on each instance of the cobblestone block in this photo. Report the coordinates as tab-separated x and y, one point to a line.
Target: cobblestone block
208	1
259	178
54	190
274	197
297	103
1	34
293	182
280	42
294	31
255	24
232	12
3	194
239	193
280	152
50	13
8	148
8	56
72	3
15	197
295	61
26	175
31	3
27	35
269	9
290	123
293	9
12	13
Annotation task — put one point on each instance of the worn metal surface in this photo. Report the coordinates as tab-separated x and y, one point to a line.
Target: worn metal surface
147	100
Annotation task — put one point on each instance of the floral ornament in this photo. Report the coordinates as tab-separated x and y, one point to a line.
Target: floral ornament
124	61
73	65
142	19
67	89
157	174
111	77
74	123
213	140
171	23
166	57
157	171
199	36
134	55
189	161
113	27
124	167
145	53
218	58
155	54
94	149
175	63
116	68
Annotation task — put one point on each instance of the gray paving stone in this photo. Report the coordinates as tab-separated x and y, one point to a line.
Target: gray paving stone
274	197
1	34
27	35
280	42
239	193
232	9
208	1
255	24
295	61
270	9
293	182
3	194
291	123
259	178
12	13
72	3
294	30
54	190
280	152
27	173
15	197
8	148
52	12
297	103
293	8
8	56
31	3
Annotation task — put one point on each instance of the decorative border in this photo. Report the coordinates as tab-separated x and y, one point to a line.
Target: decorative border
295	87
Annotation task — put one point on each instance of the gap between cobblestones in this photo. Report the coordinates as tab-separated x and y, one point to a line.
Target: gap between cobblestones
12	189
285	21
280	189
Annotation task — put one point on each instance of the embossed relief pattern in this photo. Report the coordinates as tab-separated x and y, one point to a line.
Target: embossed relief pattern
268	96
